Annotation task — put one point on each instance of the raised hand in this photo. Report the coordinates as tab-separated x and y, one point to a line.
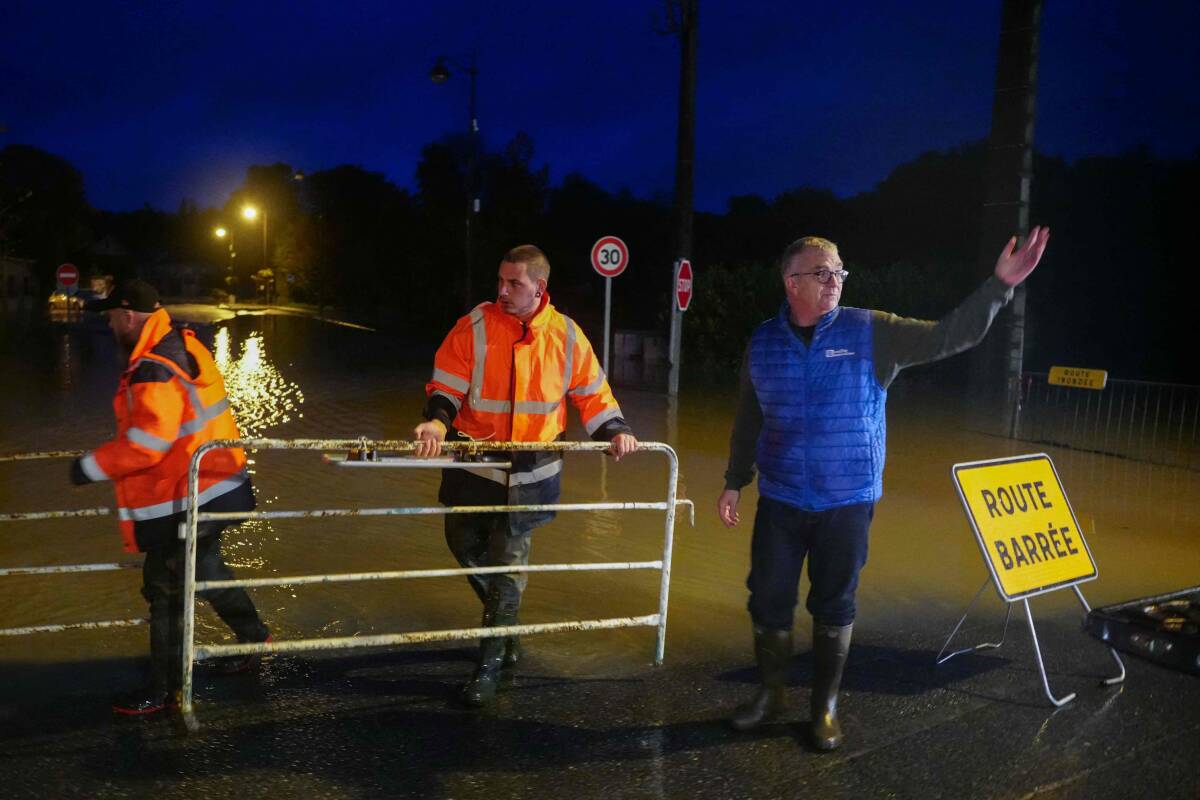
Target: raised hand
1015	263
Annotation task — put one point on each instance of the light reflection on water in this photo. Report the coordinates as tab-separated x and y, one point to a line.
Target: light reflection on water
260	395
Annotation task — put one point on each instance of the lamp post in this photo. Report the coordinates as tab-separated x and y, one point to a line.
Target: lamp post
439	74
251	213
223	233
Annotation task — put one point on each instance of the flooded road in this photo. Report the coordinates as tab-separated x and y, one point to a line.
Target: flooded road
293	377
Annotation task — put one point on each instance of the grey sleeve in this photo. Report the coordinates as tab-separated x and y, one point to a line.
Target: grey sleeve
901	342
747	424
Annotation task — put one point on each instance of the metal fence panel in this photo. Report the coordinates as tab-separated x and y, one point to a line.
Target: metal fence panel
1139	420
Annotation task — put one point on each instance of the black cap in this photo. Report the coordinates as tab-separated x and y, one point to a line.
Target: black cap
134	295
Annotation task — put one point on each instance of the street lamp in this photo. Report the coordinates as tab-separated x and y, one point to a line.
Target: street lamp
439	74
251	213
223	233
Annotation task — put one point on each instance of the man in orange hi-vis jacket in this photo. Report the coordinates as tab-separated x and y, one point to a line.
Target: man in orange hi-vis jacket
170	400
504	373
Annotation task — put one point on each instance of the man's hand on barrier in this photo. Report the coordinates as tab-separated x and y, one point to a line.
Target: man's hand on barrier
727	505
622	445
429	437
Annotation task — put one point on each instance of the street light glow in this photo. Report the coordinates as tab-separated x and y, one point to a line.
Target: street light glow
220	233
249	212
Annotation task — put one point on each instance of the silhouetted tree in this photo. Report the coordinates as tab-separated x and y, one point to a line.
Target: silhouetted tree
44	214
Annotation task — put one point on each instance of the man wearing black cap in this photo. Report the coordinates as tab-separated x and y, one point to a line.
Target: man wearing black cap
170	401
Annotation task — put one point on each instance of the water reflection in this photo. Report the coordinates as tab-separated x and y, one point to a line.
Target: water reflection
260	395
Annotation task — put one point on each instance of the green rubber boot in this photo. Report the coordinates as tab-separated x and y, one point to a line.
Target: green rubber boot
773	650
831	645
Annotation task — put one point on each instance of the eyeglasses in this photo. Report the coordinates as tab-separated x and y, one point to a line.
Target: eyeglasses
823	275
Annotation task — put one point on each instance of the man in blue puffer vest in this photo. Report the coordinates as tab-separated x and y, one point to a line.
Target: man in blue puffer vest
811	416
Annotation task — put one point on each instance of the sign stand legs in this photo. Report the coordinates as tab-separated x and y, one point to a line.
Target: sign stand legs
1087	609
1037	649
981	646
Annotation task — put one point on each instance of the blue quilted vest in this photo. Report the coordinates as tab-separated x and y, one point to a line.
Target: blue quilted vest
824	428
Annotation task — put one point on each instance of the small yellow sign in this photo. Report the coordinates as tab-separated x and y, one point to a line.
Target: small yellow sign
1024	524
1078	377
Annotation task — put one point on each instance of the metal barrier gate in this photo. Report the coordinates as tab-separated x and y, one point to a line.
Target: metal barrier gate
1140	420
193	652
62	568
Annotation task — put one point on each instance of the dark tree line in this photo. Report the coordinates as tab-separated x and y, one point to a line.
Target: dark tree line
1115	291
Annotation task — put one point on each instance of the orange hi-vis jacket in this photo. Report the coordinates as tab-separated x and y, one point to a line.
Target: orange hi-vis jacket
509	380
171	399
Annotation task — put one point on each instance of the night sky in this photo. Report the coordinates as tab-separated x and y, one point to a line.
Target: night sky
155	102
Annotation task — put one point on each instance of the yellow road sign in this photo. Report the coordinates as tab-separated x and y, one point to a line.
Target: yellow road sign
1024	524
1078	377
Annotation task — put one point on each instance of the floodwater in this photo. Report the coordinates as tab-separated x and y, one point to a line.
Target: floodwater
297	377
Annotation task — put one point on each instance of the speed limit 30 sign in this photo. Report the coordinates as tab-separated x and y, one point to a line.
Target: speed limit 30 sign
610	256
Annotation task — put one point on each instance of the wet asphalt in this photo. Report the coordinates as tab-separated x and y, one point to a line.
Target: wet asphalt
589	716
387	724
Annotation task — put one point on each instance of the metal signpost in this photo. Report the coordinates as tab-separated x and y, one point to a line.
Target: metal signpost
1030	540
610	257
683	299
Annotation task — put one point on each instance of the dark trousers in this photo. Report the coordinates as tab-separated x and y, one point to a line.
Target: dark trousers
835	543
162	586
491	540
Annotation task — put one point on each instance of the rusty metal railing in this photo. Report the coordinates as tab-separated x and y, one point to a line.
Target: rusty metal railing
59	569
193	652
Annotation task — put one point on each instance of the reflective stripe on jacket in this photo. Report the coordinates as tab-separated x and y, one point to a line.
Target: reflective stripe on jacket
508	380
823	437
171	399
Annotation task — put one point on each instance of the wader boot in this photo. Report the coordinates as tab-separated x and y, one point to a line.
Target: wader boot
481	689
512	647
831	644
512	653
773	650
164	676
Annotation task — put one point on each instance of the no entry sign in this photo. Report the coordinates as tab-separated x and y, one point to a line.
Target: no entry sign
683	284
610	256
67	275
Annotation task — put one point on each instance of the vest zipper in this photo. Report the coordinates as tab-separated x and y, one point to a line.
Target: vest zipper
512	382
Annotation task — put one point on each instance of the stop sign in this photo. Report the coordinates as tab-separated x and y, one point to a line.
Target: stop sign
67	275
683	284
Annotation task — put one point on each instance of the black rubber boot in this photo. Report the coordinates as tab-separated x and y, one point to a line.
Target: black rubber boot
831	645
773	650
512	645
512	651
481	689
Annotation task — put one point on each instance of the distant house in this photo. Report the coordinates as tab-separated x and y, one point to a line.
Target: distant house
16	284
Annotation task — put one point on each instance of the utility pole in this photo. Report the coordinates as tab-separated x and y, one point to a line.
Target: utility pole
682	20
996	365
